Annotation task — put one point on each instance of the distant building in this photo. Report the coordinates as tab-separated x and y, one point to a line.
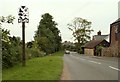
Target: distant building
90	47
114	49
101	37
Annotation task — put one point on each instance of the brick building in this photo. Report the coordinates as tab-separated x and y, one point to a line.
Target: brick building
100	36
90	48
114	49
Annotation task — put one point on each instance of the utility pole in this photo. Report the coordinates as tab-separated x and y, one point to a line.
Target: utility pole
23	18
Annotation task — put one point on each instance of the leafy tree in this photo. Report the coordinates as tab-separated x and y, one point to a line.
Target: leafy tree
99	49
30	44
10	49
81	30
10	45
15	49
5	48
8	19
47	36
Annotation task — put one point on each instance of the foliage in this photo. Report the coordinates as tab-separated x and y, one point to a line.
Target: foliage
10	45
60	53
5	48
81	30
44	68
47	36
69	46
47	41
30	44
34	52
98	50
10	49
7	19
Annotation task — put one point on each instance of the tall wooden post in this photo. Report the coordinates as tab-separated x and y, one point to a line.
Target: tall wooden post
23	18
23	46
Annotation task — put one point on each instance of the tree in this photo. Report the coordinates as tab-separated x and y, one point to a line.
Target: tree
8	19
30	44
10	49
10	45
47	36
99	49
81	30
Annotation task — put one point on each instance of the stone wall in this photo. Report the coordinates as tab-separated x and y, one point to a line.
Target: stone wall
106	52
110	51
89	52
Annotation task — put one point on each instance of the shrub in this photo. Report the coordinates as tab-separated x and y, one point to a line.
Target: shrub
10	49
33	52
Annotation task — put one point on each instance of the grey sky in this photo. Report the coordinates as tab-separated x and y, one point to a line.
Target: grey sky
100	12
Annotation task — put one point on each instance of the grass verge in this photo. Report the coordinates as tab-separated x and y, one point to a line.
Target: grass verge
43	68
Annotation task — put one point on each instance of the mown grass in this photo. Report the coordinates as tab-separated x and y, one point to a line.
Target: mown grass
60	53
43	68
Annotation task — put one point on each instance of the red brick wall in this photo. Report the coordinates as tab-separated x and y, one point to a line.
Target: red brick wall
119	38
113	41
114	49
119	43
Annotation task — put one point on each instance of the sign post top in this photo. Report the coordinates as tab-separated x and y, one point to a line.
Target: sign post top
23	15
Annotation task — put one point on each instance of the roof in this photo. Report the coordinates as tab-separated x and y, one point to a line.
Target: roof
93	43
118	20
100	37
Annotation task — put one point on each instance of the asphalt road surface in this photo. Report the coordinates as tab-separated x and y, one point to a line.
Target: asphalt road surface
81	67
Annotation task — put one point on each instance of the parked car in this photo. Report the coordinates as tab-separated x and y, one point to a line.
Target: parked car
67	52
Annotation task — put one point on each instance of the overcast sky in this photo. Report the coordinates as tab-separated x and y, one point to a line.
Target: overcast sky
100	12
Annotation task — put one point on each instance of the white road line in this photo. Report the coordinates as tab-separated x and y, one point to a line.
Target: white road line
114	68
94	62
85	59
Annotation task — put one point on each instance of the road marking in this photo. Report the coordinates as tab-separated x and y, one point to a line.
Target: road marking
85	59
114	68
94	62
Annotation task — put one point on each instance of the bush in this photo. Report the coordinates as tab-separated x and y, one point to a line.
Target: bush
10	55
33	52
10	49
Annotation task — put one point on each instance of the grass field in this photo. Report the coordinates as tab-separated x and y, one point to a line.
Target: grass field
43	68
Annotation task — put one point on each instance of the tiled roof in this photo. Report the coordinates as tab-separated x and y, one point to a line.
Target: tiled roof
92	43
100	37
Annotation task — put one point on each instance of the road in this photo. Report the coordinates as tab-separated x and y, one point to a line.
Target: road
81	67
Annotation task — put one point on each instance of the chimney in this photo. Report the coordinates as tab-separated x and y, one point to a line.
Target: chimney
99	33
